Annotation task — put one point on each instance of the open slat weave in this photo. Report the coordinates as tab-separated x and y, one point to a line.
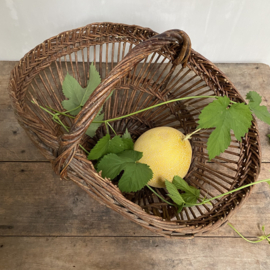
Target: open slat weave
142	68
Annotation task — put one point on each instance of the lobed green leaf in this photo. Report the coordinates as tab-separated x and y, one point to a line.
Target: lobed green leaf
93	82
131	155
173	193
128	143
77	97
111	165
224	118
91	131
74	92
181	184
106	145
189	198
254	104
191	194
126	135
136	175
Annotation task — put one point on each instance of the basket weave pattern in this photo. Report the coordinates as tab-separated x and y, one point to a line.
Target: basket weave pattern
144	69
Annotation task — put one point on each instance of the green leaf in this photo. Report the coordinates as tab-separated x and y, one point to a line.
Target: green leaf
106	145
254	104
189	198
211	114
181	184
218	141
191	194
74	92
128	143
268	135
77	96
268	183
126	135
173	193
223	118
93	82
240	118
196	192
136	175
115	145
131	155
100	148
111	165
254	97
91	131
180	208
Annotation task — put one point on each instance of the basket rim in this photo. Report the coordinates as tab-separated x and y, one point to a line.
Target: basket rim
21	77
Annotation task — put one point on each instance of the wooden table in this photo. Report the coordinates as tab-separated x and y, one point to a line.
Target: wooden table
47	224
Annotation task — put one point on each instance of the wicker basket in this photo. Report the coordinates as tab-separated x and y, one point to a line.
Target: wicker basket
144	68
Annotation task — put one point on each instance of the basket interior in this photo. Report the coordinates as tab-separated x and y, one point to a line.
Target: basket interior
150	82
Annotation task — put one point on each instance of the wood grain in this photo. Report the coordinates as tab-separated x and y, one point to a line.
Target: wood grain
34	202
117	253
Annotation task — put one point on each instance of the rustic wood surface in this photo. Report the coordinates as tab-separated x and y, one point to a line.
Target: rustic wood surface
35	202
129	253
46	223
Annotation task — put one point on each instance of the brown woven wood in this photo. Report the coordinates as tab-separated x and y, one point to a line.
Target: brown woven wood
143	68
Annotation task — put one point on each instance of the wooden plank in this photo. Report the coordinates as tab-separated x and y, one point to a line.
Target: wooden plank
15	145
34	202
61	253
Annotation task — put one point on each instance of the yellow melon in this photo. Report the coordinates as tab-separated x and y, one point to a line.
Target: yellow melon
165	151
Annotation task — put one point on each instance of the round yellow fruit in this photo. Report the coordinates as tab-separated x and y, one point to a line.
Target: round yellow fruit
165	151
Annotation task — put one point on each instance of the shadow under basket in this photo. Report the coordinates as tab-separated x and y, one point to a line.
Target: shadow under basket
143	68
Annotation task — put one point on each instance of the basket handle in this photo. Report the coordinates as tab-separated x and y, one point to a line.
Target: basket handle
69	142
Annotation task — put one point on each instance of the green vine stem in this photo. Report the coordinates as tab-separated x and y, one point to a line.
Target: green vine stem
160	196
130	114
261	238
63	113
155	106
111	128
140	111
231	191
84	149
57	120
107	128
188	136
219	196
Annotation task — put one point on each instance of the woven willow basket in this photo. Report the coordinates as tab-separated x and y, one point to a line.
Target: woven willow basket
143	68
